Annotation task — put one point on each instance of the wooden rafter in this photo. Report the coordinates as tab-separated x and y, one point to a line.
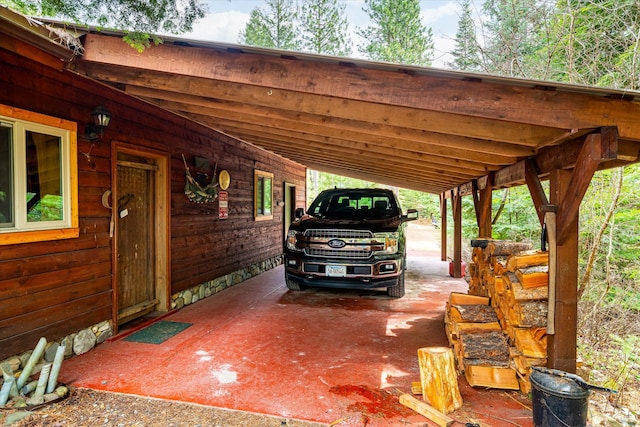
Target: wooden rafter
439	130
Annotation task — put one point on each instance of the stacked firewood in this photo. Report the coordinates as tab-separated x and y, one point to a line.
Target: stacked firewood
509	286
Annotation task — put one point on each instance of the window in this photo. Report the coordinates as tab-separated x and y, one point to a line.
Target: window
38	177
263	195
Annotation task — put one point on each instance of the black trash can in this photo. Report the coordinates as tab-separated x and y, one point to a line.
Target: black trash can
558	400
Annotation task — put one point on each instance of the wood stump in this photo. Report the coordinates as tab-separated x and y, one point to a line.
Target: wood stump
439	378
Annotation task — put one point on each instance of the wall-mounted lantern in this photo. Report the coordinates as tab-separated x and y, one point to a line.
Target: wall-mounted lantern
100	118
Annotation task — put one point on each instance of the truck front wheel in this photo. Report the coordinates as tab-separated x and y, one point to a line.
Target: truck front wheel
397	291
291	284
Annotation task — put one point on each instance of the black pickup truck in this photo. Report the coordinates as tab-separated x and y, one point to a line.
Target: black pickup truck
349	238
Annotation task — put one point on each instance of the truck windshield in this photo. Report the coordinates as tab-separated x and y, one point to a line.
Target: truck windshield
350	204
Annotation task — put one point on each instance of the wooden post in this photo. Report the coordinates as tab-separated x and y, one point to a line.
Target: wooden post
482	191
561	347
443	227
457	234
439	378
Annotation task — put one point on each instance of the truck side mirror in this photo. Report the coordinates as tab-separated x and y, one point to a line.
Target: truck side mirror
299	213
412	215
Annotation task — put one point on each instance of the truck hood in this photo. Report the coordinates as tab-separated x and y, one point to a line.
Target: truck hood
374	225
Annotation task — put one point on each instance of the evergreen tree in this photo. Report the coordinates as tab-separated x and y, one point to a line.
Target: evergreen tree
396	33
274	28
512	35
324	27
465	53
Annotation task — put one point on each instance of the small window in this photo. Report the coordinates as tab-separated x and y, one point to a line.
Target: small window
263	195
37	168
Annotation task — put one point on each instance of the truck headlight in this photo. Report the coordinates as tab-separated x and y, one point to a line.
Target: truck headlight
386	242
291	241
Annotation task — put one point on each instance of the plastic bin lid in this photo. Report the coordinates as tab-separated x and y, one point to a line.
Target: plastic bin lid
558	385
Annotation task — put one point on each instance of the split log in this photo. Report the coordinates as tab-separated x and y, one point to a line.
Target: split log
460	298
486	362
500	265
533	277
492	377
528	259
525	384
528	345
507	247
426	410
529	314
459	329
472	313
522	294
488	345
439	378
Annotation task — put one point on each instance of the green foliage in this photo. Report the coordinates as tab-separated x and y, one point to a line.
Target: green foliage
598	42
139	18
512	35
518	220
466	52
428	205
396	33
274	27
618	256
324	27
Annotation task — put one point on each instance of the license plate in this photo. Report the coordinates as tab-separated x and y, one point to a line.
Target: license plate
336	270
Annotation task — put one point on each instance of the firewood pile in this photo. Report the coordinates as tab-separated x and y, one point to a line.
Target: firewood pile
498	329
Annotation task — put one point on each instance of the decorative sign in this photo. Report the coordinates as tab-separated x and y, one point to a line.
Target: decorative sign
223	204
224	179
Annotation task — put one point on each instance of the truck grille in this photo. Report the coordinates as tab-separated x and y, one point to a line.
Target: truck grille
358	243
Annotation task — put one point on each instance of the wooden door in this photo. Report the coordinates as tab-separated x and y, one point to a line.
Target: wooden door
135	225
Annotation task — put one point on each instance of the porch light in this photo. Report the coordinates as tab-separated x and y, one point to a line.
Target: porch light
100	118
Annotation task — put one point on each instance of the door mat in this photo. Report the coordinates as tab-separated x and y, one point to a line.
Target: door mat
158	332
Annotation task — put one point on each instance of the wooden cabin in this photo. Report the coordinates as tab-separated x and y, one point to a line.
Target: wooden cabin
128	239
95	224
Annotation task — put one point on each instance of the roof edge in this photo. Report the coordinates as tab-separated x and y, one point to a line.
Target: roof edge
49	39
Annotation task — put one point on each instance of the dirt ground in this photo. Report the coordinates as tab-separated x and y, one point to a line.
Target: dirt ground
90	408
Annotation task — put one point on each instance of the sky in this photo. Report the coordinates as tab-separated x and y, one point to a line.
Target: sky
226	18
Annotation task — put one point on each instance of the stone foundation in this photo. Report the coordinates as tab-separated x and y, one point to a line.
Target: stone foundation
204	290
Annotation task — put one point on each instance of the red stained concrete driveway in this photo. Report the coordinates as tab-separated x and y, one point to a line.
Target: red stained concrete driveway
330	356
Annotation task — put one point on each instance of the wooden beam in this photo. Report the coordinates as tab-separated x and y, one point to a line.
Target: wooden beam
510	175
451	131
503	99
586	165
562	347
285	138
485	202
476	200
331	127
535	188
397	180
565	156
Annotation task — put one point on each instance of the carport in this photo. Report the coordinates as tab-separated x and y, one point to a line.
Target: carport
448	133
329	357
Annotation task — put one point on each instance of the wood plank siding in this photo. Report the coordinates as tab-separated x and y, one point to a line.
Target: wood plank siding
54	288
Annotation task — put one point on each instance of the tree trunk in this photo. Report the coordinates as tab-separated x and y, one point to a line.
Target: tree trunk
598	239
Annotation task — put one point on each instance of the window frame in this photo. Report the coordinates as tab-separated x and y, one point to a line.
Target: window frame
260	195
23	231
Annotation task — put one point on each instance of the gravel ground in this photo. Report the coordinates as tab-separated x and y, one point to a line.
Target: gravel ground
90	408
